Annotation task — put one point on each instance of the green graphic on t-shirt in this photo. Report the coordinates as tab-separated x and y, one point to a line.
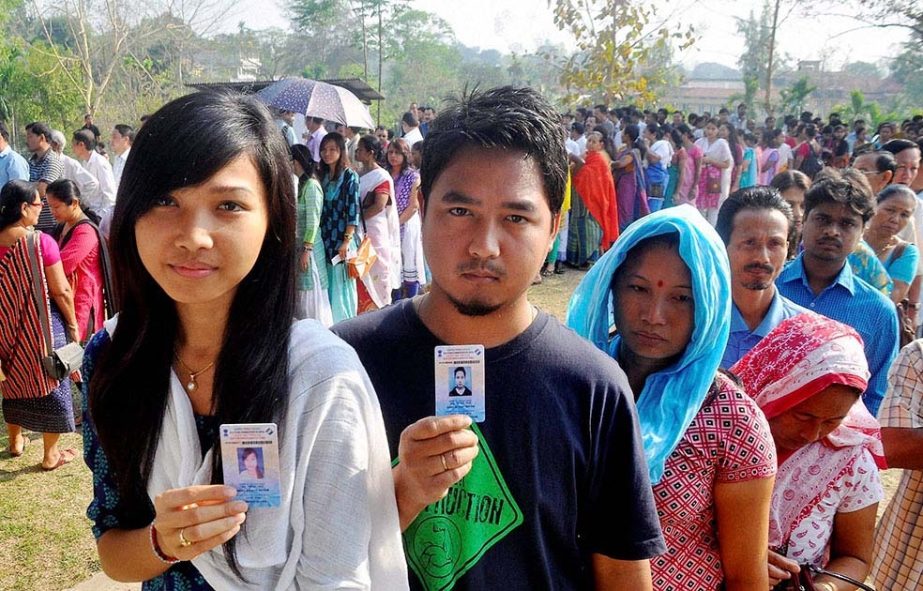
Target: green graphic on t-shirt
452	534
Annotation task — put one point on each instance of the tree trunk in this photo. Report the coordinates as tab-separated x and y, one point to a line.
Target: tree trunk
772	47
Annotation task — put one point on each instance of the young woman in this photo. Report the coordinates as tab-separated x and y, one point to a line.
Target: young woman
252	469
202	238
82	255
31	399
382	226
338	222
630	183
687	189
677	165
593	182
665	286
793	184
728	132
659	157
311	282
750	168
771	162
714	178
896	204
406	194
808	375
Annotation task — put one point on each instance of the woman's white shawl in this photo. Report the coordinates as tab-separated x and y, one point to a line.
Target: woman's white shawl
338	525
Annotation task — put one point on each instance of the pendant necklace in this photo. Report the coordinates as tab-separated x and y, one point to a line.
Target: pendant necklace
192	385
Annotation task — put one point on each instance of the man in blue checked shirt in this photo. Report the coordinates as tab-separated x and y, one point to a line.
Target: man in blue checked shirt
837	208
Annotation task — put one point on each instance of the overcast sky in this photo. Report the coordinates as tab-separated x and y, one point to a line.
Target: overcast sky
522	25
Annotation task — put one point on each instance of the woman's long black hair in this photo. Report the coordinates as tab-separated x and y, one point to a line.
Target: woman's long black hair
181	145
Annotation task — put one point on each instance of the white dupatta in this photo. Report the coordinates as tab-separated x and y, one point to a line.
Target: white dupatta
337	527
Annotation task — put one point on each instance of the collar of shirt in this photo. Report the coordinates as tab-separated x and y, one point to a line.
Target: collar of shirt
5	151
771	320
795	271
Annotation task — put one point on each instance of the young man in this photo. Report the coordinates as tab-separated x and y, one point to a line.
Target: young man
44	168
102	202
836	211
754	224
121	139
315	135
551	489
411	127
13	167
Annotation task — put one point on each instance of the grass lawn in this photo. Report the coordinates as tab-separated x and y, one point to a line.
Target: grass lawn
45	539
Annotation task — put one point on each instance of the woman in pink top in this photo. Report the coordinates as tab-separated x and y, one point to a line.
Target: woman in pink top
687	189
81	255
31	399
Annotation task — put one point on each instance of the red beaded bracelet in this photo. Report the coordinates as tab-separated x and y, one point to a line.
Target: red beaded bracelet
158	552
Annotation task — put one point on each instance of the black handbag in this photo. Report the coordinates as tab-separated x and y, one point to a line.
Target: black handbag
61	362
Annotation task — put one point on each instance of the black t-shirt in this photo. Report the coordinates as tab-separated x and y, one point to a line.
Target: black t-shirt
561	472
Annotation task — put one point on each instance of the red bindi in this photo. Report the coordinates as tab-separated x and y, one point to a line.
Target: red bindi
660	284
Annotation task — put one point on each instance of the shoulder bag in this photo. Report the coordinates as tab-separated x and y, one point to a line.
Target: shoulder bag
359	266
61	362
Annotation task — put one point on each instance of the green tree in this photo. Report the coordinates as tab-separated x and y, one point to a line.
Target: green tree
794	97
617	41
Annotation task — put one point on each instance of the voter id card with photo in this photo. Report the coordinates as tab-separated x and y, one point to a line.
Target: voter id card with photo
250	455
460	381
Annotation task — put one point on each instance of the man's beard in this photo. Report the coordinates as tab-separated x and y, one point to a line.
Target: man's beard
473	308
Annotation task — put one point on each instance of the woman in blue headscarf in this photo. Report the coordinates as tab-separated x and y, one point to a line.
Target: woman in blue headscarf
665	287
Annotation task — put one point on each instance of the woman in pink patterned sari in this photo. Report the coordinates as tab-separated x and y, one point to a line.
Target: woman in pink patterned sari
807	376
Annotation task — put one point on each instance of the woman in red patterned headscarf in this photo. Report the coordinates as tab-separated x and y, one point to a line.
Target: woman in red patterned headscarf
807	376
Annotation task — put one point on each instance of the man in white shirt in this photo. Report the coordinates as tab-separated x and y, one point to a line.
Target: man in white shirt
576	141
411	127
286	120
351	135
316	134
123	136
84	146
73	170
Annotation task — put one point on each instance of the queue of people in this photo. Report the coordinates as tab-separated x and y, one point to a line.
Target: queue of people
706	419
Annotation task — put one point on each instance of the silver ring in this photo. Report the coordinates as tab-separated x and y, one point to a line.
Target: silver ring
445	468
183	542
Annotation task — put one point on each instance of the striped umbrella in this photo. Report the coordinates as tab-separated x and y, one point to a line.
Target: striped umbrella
317	99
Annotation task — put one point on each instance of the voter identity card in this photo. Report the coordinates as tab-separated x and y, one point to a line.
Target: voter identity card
250	454
460	381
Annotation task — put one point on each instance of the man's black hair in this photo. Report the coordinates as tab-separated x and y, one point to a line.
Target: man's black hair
39	128
580	128
4	132
844	190
760	197
505	118
459	369
126	131
410	120
85	137
898	146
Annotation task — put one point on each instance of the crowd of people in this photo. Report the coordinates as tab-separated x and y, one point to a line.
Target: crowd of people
738	363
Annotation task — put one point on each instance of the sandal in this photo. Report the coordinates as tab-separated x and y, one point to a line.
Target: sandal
66	457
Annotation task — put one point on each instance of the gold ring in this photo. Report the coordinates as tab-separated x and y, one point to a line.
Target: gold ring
445	468
183	542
